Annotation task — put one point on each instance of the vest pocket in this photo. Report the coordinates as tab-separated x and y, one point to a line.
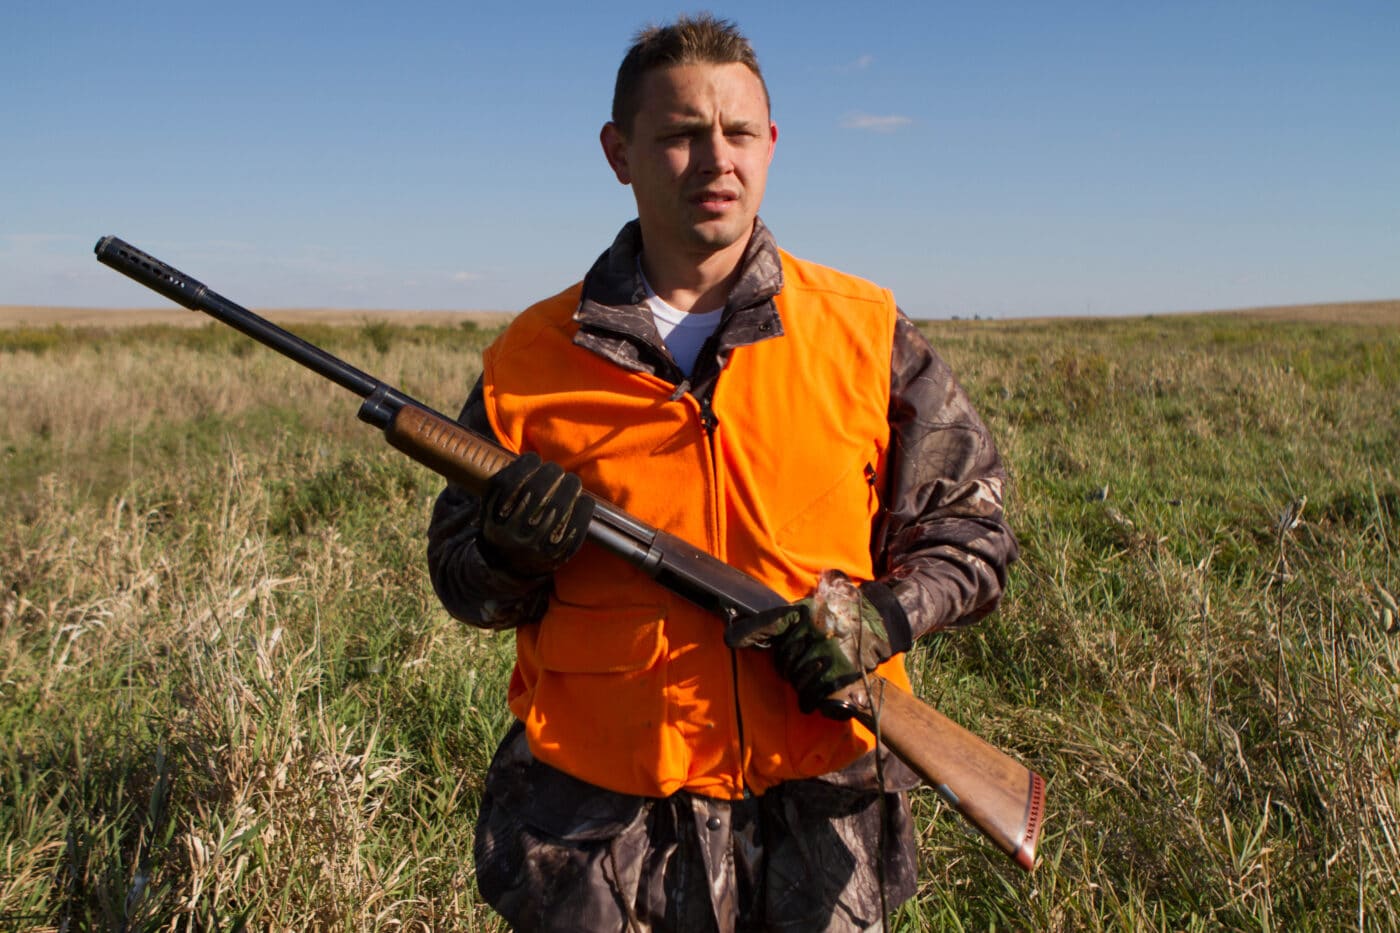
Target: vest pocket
598	708
587	640
847	502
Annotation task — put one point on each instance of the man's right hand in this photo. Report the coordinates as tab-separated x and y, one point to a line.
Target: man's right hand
534	518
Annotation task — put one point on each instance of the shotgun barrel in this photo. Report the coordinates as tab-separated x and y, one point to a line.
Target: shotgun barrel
997	794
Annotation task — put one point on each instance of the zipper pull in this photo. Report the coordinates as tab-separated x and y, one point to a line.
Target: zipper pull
707	416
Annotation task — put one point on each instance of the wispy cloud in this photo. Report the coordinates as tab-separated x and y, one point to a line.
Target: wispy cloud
859	64
466	277
875	123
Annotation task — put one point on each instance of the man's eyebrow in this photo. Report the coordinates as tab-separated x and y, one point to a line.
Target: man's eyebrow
684	121
692	121
744	123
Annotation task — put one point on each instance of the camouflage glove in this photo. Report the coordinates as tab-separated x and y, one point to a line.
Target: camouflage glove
534	517
829	639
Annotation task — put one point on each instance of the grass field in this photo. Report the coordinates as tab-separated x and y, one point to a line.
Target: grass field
229	698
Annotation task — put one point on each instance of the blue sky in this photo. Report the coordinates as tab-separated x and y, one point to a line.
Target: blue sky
999	159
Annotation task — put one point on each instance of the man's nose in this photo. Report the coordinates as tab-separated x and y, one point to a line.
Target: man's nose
716	153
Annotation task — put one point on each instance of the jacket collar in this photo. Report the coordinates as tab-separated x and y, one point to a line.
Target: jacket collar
615	322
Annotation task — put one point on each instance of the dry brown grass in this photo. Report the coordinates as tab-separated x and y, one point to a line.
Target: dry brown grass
1374	313
41	316
228	694
1384	313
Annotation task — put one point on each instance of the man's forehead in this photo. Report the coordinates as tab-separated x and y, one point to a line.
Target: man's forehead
680	84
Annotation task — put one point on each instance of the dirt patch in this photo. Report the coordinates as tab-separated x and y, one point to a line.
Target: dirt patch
1376	313
1379	313
35	316
1383	313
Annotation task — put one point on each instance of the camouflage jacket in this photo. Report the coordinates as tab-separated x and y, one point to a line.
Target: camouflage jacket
942	545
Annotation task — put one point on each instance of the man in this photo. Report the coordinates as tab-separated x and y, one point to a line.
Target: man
664	772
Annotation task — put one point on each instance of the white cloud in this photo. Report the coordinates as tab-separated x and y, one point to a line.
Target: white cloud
875	123
466	277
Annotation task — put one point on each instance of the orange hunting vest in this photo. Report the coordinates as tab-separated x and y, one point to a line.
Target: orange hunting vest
623	684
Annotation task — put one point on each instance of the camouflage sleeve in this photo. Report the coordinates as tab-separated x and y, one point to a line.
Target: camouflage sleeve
943	545
470	588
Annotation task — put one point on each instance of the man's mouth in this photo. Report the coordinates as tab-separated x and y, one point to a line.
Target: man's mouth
714	200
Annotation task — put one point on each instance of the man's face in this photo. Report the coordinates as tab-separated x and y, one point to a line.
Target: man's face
697	158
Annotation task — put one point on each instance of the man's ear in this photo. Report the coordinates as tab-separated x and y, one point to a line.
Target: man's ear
615	150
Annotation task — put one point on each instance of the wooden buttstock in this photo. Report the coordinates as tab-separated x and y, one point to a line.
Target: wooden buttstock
993	791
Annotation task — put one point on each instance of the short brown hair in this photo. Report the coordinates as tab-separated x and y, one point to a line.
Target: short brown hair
699	39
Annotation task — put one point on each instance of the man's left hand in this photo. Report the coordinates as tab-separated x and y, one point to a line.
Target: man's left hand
825	641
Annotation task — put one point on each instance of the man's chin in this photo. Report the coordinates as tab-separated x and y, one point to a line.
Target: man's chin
717	236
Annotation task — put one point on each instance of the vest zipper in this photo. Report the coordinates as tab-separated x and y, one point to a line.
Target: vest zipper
738	718
709	421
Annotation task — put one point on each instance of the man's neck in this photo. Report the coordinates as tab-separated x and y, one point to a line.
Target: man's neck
689	282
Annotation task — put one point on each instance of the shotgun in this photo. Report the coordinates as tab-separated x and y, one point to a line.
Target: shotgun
997	794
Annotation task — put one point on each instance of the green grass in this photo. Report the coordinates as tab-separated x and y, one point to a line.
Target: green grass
229	699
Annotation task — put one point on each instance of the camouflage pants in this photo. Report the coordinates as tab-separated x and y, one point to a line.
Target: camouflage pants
554	853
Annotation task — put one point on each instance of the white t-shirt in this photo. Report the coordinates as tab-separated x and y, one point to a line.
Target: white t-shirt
684	332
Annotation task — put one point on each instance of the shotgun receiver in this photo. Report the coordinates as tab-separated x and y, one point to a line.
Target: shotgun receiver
997	794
